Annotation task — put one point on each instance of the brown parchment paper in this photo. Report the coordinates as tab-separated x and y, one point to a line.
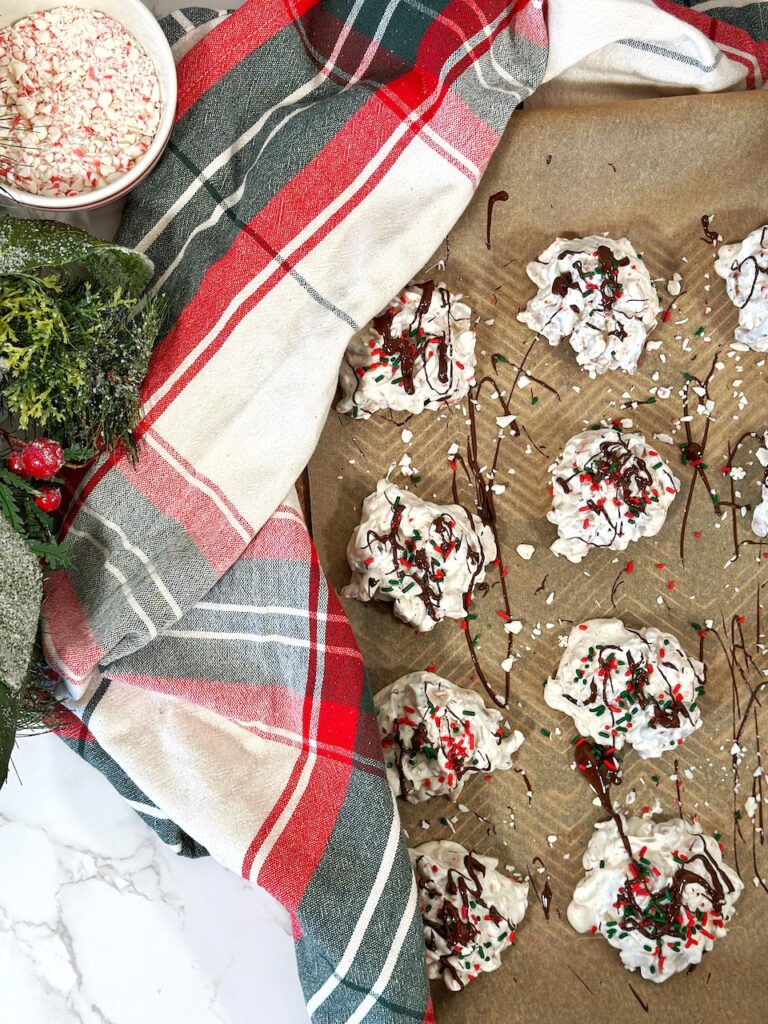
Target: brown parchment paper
647	169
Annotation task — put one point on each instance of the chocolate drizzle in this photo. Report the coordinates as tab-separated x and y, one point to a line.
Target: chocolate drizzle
692	453
480	478
416	349
665	914
757	269
545	896
609	288
486	510
619	681
710	236
602	770
497	197
416	345
737	268
745	665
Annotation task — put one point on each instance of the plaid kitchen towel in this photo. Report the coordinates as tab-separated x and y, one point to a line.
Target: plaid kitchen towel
611	48
321	152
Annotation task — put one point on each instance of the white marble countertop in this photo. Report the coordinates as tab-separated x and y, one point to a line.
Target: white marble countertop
101	924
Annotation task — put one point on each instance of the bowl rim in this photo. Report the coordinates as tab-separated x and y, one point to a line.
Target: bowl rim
166	71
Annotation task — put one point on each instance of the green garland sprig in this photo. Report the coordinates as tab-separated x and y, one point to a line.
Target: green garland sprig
77	329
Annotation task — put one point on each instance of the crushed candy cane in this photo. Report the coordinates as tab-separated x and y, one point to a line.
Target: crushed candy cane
79	102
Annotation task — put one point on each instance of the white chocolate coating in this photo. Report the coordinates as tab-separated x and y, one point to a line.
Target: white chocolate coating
423	557
483	922
596	292
625	686
430	362
436	734
608	488
760	512
601	898
744	266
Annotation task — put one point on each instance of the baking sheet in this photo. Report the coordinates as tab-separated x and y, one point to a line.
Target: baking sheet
648	170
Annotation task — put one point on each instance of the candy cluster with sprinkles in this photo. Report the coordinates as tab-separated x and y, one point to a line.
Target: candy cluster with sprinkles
423	557
436	734
79	101
419	353
744	266
659	892
608	488
471	911
628	686
596	292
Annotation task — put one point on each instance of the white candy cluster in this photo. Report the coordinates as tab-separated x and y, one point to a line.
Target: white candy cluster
436	735
608	488
628	903
627	686
80	100
760	512
596	292
744	266
470	911
418	353
423	557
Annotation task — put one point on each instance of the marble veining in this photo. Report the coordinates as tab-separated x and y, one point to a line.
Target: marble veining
101	924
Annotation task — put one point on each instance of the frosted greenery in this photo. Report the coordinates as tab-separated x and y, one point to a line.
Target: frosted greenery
20	596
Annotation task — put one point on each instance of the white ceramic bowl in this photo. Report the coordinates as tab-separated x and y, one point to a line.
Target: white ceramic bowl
142	24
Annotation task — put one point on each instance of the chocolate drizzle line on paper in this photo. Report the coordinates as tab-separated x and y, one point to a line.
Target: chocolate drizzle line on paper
497	197
678	789
710	236
544	896
746	660
481	483
692	451
485	508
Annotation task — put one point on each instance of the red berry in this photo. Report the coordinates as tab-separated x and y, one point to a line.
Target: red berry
42	458
16	464
49	499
